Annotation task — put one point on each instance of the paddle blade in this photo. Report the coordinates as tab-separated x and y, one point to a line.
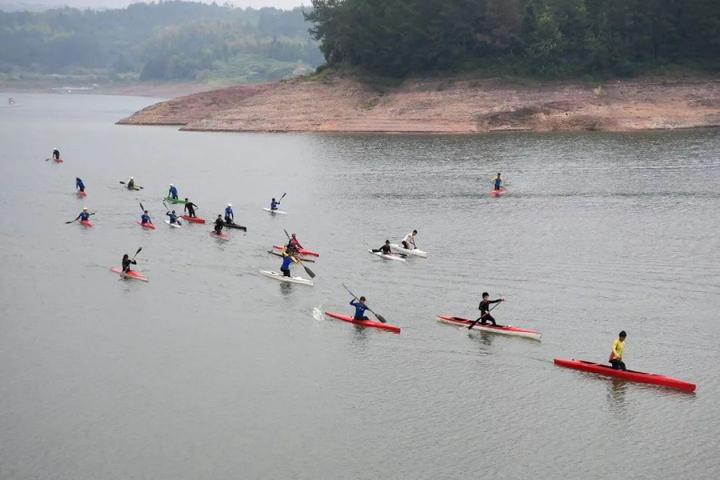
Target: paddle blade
121	182
380	318
286	234
283	196
141	206
309	272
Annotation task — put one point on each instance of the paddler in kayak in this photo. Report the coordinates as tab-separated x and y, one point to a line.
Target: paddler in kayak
190	208
173	193
126	262
173	218
293	244
56	154
79	185
145	218
131	184
384	249
485	309
616	355
229	214
219	224
498	183
287	261
360	308
84	215
408	242
274	204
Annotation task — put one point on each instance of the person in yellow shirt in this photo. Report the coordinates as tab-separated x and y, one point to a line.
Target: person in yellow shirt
616	355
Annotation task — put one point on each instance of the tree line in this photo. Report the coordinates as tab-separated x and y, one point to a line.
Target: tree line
172	40
547	38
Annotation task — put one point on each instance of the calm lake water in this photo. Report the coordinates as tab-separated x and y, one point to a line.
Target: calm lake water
212	371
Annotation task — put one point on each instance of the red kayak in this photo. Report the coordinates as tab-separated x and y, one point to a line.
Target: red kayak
502	329
222	236
364	323
86	223
131	274
82	194
193	219
302	251
497	193
147	225
58	160
632	375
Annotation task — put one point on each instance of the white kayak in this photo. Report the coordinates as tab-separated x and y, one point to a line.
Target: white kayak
174	225
400	249
387	257
273	212
282	278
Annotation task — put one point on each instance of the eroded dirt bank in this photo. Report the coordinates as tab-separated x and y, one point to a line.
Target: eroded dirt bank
459	105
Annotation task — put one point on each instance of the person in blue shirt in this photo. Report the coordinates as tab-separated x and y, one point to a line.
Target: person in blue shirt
79	185
145	218
229	214
84	215
360	308
173	193
498	182
285	267
56	154
173	217
274	204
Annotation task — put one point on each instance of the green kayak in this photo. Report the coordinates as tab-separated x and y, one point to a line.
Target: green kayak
175	200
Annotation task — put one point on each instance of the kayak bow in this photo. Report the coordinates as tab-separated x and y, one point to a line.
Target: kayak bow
640	377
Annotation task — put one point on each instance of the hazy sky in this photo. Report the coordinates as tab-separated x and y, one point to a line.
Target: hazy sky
122	3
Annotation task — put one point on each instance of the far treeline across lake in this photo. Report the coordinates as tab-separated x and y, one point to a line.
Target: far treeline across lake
546	38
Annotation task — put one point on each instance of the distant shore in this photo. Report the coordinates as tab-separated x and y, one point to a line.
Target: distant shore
458	105
135	89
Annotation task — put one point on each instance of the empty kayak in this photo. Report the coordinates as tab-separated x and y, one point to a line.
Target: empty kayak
302	251
235	225
388	257
82	194
132	274
632	375
306	260
364	323
220	236
501	329
273	212
415	251
86	223
147	225
193	219
497	193
174	225
174	200
283	278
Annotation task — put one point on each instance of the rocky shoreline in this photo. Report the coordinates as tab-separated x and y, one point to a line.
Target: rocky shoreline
443	106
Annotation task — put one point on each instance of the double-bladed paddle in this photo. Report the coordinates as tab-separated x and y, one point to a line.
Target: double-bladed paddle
136	186
78	217
485	314
380	318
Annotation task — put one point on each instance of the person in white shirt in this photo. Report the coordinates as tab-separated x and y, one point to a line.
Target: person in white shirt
409	241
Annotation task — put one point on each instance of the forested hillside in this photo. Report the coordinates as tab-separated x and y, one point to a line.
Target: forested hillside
547	38
168	41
